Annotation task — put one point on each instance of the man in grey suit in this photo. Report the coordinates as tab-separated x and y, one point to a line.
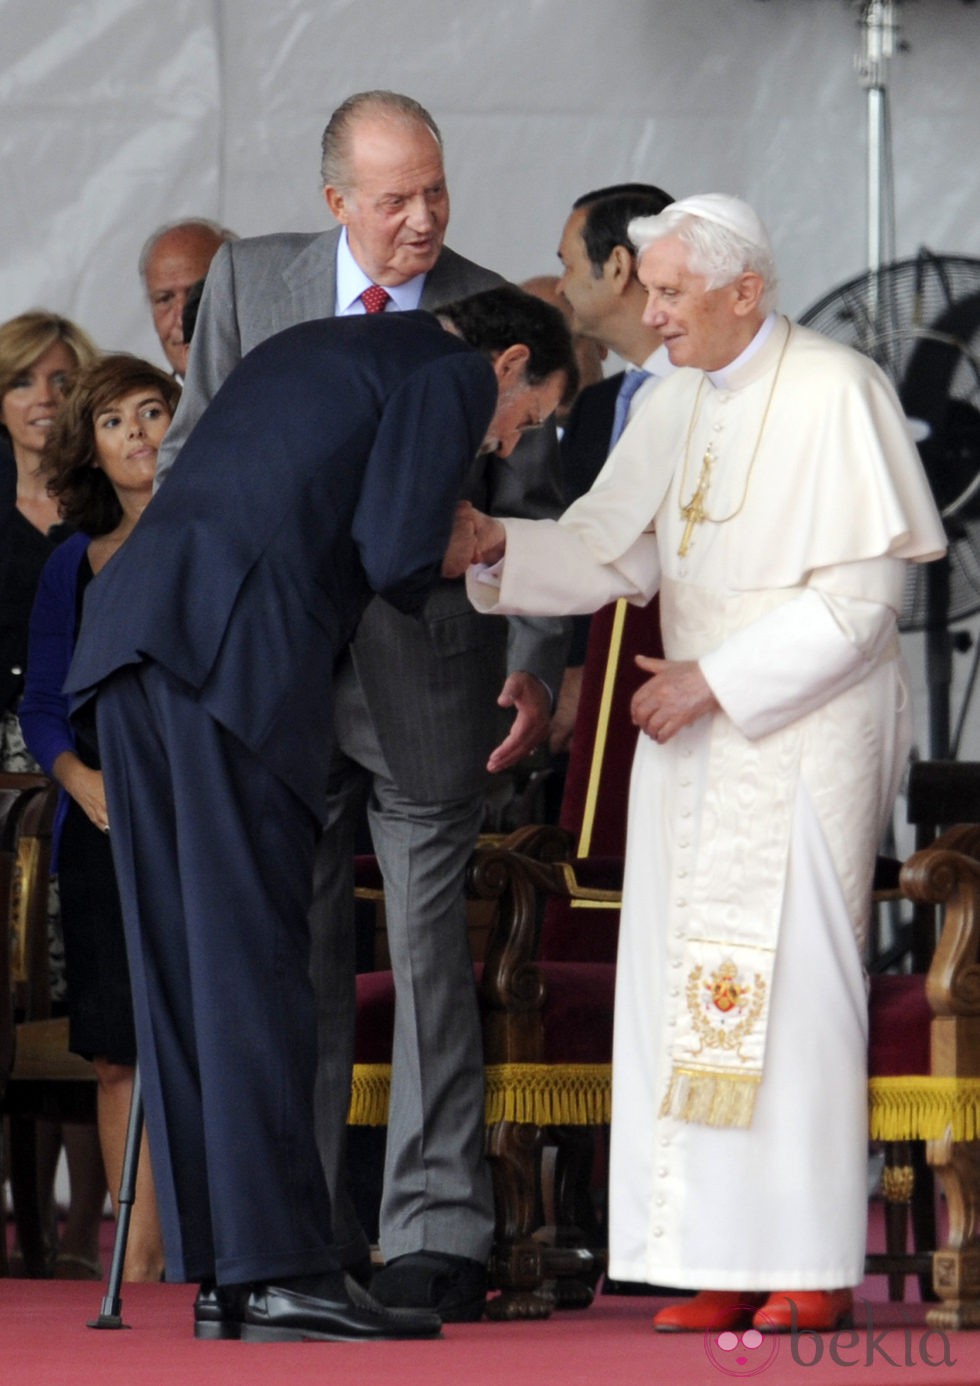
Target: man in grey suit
416	713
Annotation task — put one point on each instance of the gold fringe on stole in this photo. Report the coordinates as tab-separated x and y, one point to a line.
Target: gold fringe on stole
602	728
711	1099
539	1094
922	1108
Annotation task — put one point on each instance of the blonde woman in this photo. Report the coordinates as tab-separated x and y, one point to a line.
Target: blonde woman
39	351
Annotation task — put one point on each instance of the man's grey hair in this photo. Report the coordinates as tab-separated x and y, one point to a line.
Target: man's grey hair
220	233
337	137
718	252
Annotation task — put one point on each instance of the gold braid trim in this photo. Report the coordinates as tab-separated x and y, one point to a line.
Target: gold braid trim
537	1094
921	1108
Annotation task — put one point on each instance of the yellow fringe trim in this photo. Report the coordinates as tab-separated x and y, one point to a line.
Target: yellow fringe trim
537	1094
549	1094
370	1090
916	1108
711	1099
921	1108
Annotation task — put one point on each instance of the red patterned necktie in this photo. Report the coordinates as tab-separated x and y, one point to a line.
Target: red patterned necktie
375	298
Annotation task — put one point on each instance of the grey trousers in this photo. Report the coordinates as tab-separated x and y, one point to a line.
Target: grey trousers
437	1191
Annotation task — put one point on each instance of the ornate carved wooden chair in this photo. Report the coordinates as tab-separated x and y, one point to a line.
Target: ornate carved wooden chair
8	865
912	1089
924	1084
45	1079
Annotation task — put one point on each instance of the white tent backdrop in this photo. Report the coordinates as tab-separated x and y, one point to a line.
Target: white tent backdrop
118	115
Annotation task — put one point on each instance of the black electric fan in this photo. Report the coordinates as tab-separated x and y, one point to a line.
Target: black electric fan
919	319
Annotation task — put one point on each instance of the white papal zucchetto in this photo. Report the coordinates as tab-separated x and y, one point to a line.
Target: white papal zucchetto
730	212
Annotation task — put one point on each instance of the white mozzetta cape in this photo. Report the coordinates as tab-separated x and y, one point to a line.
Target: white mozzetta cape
845	486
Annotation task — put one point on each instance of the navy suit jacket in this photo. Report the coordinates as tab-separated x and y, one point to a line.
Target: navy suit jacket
584	449
326	469
430	685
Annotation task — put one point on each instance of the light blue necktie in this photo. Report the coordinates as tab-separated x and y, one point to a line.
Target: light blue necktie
631	382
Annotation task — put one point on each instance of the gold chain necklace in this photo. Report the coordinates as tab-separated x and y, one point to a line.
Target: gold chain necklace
694	512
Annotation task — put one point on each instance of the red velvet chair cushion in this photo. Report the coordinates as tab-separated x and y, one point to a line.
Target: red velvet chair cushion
578	1012
640	634
375	1030
577	1015
583	934
367	873
898	1022
579	1009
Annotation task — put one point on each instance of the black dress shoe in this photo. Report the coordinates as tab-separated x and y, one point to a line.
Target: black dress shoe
362	1298
454	1286
276	1314
218	1311
361	1271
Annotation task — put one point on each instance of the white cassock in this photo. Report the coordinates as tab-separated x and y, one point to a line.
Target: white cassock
757	826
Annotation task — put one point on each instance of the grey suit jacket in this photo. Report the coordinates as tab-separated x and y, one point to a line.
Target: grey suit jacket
430	681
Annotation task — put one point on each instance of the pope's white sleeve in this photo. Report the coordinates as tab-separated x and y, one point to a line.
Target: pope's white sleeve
808	650
548	570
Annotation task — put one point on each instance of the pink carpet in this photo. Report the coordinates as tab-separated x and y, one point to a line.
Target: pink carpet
44	1341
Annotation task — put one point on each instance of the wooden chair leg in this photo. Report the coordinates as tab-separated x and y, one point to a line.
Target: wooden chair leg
517	1266
32	1234
956	1265
925	1232
575	1224
4	1261
897	1188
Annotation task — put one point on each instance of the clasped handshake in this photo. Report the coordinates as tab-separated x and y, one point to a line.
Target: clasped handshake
676	693
476	538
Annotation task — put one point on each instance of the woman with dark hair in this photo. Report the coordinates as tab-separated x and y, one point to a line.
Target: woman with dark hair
100	460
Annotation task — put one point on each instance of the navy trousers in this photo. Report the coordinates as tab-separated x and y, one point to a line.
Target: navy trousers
214	858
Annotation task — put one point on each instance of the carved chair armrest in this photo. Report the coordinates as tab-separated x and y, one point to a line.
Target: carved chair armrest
513	987
947	873
543	841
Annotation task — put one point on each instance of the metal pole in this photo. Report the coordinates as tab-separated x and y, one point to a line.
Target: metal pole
879	28
111	1314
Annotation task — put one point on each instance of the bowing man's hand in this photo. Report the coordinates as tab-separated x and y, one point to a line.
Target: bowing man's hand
462	550
491	538
676	695
532	701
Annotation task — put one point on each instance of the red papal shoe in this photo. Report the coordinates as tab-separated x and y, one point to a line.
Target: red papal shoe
823	1311
721	1309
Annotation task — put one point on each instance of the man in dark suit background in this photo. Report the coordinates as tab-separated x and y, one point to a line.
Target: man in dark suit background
606	300
326	469
416	712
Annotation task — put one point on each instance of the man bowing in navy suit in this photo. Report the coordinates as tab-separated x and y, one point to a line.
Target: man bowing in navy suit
326	470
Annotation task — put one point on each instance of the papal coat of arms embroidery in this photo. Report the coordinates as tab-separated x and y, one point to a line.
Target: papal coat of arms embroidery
724	989
724	1008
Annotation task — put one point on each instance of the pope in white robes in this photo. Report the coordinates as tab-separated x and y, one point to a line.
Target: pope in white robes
773	496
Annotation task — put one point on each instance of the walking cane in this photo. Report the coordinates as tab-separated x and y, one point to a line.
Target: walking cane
111	1316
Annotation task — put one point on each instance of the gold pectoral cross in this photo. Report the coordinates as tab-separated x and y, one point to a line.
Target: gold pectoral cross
694	512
